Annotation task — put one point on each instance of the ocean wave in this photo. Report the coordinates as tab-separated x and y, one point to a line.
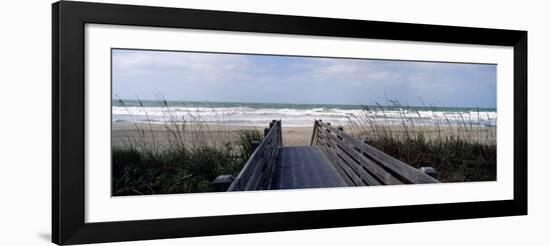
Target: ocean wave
298	117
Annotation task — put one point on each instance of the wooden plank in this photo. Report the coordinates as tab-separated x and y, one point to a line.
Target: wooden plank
280	134
272	152
402	169
321	143
258	168
351	174
351	168
255	177
367	177
362	174
270	158
305	167
314	133
370	165
273	160
343	155
346	173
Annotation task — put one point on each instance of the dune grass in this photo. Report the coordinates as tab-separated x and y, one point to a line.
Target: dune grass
459	148
145	167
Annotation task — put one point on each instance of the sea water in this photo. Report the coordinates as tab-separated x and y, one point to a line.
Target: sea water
260	114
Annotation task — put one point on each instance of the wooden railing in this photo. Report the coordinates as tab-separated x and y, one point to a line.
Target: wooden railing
256	173
361	164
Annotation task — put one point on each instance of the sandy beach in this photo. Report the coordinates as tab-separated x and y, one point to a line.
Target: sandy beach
485	135
122	133
160	135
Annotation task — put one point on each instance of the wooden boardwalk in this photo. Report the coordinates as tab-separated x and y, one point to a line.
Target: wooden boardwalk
333	159
304	167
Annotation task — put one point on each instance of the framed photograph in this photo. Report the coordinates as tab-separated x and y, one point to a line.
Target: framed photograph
173	122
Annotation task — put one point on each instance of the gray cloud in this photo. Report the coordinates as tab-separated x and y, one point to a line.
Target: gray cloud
253	78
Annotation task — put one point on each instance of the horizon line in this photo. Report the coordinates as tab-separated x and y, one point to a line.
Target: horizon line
327	104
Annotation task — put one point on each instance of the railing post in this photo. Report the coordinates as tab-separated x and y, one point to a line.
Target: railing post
250	171
280	133
222	183
271	124
314	134
430	171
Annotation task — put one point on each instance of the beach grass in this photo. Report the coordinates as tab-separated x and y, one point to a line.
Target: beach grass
184	154
143	166
460	150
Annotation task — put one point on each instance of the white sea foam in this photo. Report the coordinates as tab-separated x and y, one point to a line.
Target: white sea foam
248	116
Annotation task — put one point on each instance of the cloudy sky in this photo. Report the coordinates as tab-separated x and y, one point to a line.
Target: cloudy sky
282	79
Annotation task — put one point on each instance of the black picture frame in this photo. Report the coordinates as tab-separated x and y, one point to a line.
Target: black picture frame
68	172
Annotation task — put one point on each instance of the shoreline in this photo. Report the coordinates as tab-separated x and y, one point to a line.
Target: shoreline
219	134
121	132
